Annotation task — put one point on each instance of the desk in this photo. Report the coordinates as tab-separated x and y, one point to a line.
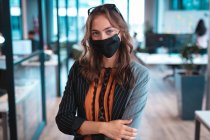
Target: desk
201	117
169	59
173	60
21	93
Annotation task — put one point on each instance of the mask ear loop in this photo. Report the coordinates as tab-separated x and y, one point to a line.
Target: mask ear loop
119	35
121	40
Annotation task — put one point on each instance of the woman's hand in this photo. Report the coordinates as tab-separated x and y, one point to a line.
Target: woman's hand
118	130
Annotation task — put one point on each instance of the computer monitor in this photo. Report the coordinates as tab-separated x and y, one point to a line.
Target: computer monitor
155	41
22	47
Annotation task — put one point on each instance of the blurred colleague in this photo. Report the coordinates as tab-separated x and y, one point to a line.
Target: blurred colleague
135	41
201	36
35	43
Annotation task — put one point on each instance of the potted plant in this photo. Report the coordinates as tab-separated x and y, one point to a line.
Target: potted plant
190	84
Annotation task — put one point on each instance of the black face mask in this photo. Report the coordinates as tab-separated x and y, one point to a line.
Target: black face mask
106	47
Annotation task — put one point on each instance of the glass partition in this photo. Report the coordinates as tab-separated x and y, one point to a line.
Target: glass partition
59	43
62	25
28	93
22	80
27	74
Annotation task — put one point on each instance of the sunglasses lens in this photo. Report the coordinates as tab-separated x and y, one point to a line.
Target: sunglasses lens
90	10
107	6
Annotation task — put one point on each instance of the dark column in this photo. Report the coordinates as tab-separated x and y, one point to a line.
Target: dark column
58	51
41	9
7	33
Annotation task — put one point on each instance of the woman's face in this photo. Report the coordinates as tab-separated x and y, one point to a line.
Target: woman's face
102	29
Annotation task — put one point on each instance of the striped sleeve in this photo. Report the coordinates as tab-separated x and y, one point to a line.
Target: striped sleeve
66	119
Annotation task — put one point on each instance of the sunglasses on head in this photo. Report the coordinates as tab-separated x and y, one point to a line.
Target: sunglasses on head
106	6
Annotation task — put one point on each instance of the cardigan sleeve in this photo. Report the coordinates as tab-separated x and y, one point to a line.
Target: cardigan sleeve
138	98
66	118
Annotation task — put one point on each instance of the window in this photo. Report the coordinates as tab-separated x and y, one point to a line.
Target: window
16	27
16	19
15	3
55	21
133	13
136	18
62	22
121	5
189	4
72	20
84	5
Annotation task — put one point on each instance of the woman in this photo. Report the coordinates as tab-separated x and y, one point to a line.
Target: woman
201	36
104	87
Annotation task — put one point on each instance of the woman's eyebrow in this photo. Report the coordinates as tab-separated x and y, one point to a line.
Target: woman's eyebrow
107	28
103	29
94	30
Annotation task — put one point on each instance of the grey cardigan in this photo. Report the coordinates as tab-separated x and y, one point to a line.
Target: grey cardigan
138	96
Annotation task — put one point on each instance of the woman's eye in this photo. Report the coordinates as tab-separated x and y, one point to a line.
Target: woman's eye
109	32
95	34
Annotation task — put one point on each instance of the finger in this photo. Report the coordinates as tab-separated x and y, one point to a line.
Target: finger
130	134
131	130
129	138
126	121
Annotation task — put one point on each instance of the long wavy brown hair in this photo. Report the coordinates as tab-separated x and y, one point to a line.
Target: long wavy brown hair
90	61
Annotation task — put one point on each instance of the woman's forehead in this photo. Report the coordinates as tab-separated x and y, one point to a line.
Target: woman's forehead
100	22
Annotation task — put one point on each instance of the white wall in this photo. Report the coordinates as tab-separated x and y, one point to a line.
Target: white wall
171	21
149	12
182	21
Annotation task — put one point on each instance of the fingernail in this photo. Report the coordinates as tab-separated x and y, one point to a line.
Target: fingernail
134	134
